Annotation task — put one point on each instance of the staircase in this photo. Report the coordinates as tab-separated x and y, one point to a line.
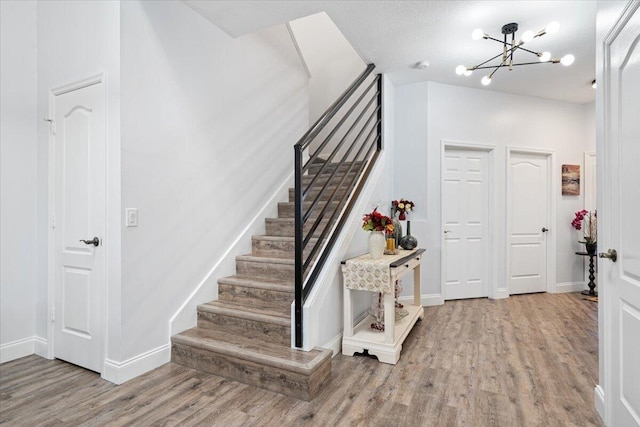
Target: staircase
245	335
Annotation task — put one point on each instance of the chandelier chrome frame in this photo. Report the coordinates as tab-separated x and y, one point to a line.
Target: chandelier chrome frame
508	49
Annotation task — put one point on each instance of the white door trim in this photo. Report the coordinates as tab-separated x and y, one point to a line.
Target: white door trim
60	90
589	175
553	190
493	291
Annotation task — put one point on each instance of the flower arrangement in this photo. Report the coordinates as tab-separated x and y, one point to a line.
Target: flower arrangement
403	206
375	221
590	231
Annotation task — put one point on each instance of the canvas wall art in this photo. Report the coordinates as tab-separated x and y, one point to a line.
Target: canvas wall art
570	180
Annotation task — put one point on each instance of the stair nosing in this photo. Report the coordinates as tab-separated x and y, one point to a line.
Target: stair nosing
227	349
257	283
266	260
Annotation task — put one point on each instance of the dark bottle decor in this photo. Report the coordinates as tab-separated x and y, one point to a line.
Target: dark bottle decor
409	242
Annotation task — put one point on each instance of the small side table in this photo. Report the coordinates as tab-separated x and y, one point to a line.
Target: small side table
592	283
385	345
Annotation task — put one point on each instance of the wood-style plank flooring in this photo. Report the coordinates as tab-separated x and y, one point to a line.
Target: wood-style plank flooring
529	360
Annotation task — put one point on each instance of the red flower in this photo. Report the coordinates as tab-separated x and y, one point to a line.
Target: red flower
376	221
591	230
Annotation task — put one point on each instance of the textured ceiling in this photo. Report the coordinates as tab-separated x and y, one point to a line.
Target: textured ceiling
395	35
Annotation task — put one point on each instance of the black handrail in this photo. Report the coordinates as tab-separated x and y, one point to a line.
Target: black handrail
342	186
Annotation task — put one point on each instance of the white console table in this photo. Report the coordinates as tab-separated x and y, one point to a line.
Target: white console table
380	275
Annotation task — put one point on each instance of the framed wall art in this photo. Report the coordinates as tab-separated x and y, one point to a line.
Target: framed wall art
570	180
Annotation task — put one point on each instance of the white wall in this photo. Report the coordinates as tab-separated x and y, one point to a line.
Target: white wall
17	178
428	113
332	62
208	126
77	39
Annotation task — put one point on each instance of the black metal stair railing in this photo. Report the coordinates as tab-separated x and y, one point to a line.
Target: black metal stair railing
355	141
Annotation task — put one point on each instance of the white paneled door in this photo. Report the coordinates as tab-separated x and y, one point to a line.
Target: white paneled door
528	213
620	227
465	215
78	132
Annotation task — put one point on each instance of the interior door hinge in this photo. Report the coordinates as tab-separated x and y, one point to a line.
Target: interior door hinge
52	125
53	315
53	220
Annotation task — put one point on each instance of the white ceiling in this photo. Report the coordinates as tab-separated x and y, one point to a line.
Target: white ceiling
397	34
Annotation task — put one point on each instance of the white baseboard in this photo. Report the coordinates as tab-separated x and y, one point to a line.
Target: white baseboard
570	287
42	347
120	372
426	300
21	348
335	345
599	401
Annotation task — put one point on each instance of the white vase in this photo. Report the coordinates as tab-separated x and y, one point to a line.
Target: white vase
377	243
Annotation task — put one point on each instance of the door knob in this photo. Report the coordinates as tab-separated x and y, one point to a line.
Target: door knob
544	229
611	254
95	241
447	231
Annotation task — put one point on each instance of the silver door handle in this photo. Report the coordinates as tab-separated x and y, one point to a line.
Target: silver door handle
610	254
95	241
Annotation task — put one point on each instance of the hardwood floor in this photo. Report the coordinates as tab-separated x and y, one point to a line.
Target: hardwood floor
529	360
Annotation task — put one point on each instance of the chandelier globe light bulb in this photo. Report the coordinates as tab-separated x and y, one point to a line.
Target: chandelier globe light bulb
567	60
545	57
477	34
468	72
486	80
527	36
553	27
460	70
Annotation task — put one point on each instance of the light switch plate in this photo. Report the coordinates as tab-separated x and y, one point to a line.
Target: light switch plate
132	217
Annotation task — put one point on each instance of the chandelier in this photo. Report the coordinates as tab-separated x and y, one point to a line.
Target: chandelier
510	47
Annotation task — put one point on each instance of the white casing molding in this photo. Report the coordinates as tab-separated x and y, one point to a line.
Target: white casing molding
590	166
500	293
120	372
599	400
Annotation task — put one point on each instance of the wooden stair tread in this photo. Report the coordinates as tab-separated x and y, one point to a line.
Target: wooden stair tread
254	350
258	314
